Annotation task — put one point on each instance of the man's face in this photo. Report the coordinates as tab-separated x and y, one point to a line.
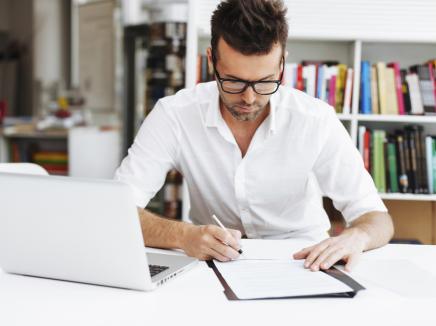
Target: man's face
231	64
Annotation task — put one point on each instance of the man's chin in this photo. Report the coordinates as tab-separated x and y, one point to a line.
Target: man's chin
246	116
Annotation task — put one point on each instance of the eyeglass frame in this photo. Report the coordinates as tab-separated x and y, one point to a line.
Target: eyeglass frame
247	82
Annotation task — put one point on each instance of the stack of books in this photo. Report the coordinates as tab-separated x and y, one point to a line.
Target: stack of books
55	163
329	81
403	161
388	89
165	73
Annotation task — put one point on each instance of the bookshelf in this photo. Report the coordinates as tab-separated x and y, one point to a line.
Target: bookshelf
373	30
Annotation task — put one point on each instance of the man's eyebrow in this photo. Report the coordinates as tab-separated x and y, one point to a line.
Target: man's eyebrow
235	77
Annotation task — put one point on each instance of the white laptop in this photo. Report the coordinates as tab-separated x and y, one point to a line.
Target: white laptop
78	230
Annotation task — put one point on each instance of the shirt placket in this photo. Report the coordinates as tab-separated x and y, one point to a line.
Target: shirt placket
242	199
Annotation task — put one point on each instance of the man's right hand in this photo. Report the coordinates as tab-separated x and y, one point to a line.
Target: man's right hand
210	242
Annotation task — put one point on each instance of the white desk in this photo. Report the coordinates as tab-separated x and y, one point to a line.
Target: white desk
196	298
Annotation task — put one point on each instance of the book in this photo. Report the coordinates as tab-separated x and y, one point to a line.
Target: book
378	160
290	74
416	104
366	150
374	91
398	86
391	94
433	143
405	91
332	91
422	158
300	83
413	176
429	162
309	78
365	88
403	180
426	87
348	91
392	166
340	87
432	70
381	78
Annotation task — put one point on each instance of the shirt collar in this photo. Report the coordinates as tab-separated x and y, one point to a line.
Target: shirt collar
213	115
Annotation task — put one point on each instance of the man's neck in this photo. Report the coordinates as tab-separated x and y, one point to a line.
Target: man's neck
243	131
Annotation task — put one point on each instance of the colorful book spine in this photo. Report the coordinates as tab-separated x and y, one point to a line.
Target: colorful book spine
374	91
365	88
392	163
403	180
429	162
348	91
398	86
381	78
391	96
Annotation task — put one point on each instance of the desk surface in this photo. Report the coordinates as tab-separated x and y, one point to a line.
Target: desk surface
197	298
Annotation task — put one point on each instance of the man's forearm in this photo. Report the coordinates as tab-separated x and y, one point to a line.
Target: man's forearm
376	228
160	232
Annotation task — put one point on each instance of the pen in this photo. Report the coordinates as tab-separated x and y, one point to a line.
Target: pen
223	227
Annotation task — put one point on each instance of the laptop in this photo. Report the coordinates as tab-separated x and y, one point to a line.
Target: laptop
79	230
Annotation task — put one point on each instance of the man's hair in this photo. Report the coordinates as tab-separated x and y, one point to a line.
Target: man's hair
249	26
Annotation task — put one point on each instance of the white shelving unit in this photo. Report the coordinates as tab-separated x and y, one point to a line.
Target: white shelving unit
349	32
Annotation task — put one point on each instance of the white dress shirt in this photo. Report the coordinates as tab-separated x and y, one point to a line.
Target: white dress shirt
271	192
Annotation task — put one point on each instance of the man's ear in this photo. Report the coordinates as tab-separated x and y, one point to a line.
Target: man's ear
209	60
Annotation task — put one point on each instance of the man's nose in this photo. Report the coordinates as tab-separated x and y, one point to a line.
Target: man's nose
249	95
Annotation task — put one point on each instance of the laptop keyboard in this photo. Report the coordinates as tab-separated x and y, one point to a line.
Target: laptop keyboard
156	269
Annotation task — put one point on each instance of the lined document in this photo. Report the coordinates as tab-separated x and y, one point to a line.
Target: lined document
271	249
256	279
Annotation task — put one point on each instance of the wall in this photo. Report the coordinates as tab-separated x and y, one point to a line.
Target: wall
4	17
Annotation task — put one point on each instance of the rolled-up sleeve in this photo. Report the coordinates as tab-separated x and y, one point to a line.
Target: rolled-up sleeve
341	173
153	153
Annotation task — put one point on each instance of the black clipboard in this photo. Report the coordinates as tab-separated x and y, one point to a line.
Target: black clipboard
332	271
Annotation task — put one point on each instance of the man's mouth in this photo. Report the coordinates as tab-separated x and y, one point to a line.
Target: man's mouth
245	108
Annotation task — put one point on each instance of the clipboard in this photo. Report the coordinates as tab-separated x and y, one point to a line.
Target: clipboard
332	271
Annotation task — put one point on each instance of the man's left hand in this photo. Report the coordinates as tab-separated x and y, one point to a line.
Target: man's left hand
347	246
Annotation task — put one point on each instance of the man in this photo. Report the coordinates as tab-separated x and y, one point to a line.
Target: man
252	153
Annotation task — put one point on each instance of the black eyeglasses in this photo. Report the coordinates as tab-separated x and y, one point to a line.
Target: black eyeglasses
238	86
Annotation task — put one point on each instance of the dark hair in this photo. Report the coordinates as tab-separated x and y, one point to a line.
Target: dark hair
249	26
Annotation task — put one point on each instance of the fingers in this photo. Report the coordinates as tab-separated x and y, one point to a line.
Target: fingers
327	253
315	252
236	234
218	243
229	237
331	258
302	253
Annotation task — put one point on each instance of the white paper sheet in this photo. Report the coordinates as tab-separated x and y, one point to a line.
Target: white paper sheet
250	279
271	249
